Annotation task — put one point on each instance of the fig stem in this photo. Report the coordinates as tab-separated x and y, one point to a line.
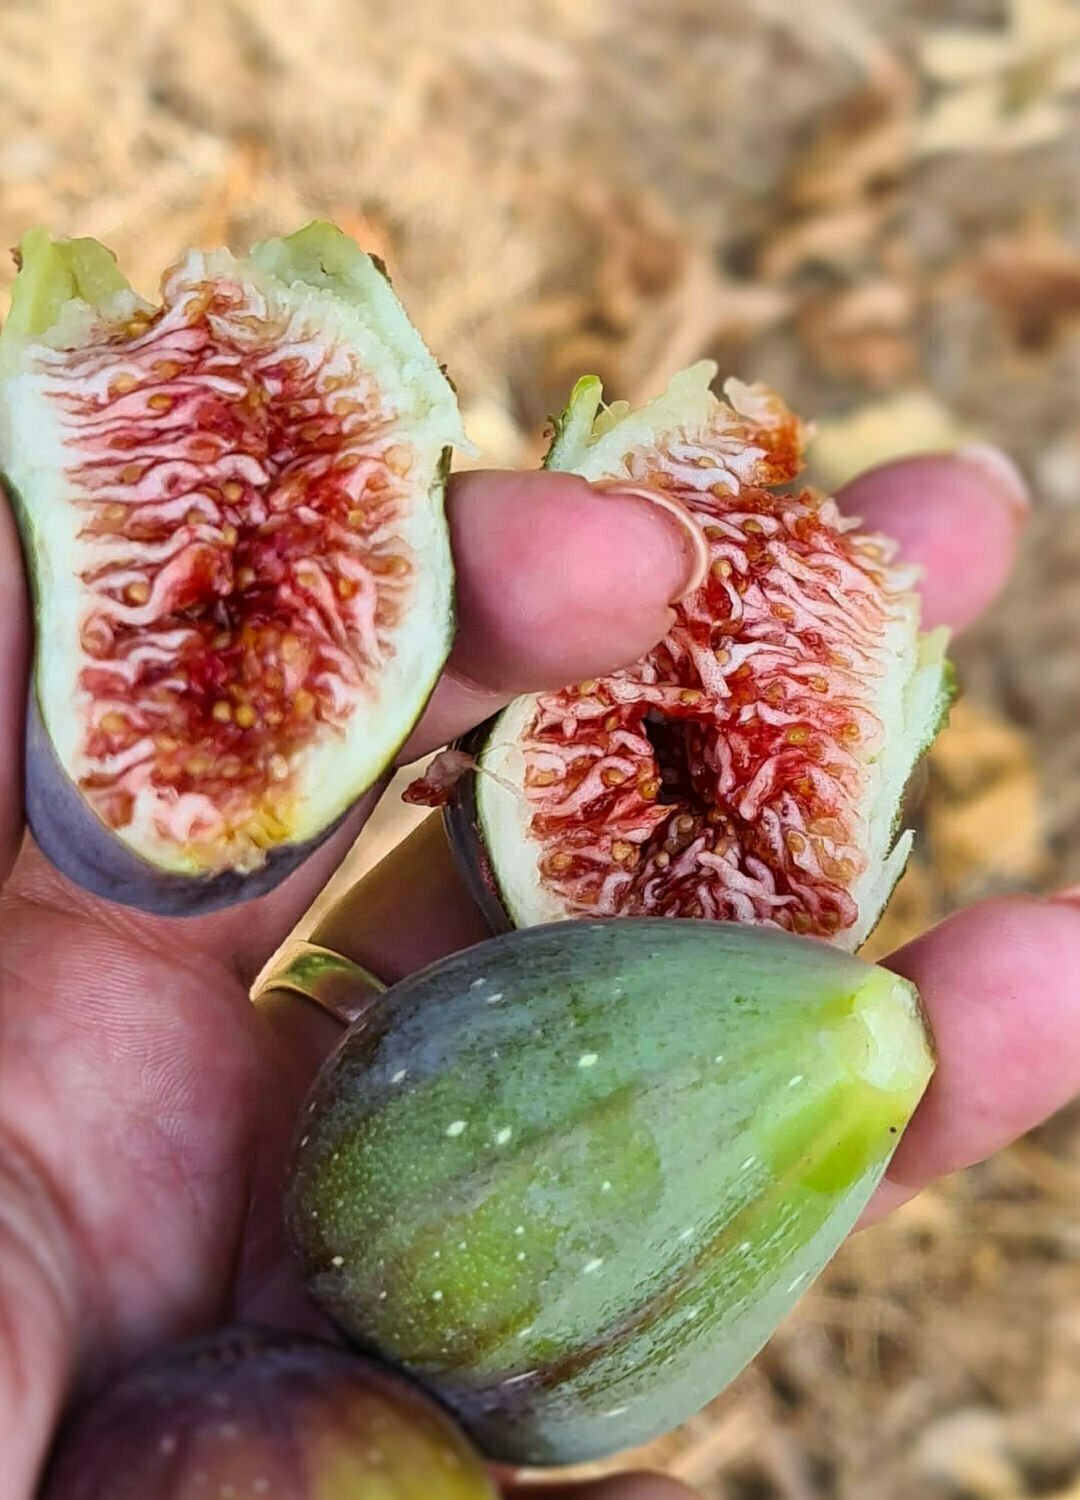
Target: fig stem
338	986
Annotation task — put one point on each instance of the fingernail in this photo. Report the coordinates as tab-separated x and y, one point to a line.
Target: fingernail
1002	472
695	548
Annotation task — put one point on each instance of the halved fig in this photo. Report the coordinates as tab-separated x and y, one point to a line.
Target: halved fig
752	767
232	513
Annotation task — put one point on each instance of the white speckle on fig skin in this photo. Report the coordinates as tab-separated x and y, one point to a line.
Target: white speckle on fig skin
588	1060
794	1082
503	1135
593	1265
456	1127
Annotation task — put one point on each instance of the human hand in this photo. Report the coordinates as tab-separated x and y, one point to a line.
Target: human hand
145	1104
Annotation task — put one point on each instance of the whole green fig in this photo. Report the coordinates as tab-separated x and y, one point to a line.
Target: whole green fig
573	1178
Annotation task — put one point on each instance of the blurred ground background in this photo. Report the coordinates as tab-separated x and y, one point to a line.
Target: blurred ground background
873	205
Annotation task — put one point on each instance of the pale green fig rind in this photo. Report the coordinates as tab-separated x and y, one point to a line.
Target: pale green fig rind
323	257
573	427
592	439
572	1179
53	273
64	290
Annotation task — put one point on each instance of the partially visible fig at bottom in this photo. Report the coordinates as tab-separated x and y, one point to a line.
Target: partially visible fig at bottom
247	1412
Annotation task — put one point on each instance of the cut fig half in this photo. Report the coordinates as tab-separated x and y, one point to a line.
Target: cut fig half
231	507
752	767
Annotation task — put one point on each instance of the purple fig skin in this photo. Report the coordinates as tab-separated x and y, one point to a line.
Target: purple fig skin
461	820
81	847
252	1413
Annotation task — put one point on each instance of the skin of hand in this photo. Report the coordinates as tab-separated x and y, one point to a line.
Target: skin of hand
145	1104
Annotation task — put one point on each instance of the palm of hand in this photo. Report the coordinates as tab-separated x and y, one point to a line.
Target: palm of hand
136	1080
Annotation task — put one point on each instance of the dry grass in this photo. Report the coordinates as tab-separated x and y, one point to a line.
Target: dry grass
876	209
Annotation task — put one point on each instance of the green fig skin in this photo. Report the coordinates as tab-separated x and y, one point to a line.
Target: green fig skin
249	1413
572	1179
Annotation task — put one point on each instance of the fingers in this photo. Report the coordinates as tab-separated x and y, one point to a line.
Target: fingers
14	648
1001	986
557	580
958	516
